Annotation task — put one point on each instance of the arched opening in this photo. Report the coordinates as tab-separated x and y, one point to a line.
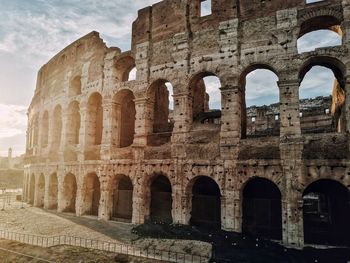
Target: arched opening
31	189
122	199
125	115
57	128
206	98
262	209
45	130
205	8
75	86
95	119
260	102
326	213
132	74
206	203
53	191
161	200
161	123
40	191
322	96
318	32
125	69
69	193
91	195
73	123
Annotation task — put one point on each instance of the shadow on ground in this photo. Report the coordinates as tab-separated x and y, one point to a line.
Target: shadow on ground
115	230
238	248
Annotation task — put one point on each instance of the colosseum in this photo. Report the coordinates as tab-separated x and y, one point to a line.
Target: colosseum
102	143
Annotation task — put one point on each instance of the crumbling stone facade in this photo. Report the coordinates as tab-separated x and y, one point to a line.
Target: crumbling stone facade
102	145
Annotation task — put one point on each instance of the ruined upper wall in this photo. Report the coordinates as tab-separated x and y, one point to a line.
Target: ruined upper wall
169	17
83	57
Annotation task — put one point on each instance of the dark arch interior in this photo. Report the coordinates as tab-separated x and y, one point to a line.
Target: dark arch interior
318	23
262	209
206	203
122	199
161	200
70	193
32	189
94	194
326	213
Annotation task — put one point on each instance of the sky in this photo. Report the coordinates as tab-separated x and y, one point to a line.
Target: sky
31	32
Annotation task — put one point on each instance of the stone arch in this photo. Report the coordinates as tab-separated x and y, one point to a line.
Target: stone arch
205	203
52	201
200	98
45	130
320	18
262	208
159	114
123	67
91	194
69	193
122	198
57	127
40	191
250	124
159	200
31	192
94	119
326	213
75	86
73	123
125	116
337	100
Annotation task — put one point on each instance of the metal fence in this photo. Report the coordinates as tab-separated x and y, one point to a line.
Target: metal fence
150	253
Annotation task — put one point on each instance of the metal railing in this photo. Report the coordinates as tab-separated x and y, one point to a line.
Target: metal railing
150	253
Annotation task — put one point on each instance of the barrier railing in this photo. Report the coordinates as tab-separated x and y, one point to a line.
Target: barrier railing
130	250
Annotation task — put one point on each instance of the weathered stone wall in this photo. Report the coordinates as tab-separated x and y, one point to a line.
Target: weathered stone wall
172	43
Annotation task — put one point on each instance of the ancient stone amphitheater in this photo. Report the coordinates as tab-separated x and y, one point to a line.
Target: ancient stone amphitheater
101	144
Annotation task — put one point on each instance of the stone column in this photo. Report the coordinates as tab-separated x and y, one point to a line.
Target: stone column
231	119
106	202
289	109
83	136
110	132
292	212
65	127
60	195
347	102
183	122
143	122
139	200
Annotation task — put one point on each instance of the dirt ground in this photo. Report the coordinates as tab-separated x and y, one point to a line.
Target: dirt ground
31	220
64	254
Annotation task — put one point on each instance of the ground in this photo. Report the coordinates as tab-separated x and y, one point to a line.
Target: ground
31	220
66	254
228	246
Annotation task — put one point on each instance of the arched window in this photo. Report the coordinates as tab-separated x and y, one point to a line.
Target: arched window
322	96
45	130
260	102
57	128
75	86
69	193
318	32
73	123
160	112
95	119
125	69
125	115
206	98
